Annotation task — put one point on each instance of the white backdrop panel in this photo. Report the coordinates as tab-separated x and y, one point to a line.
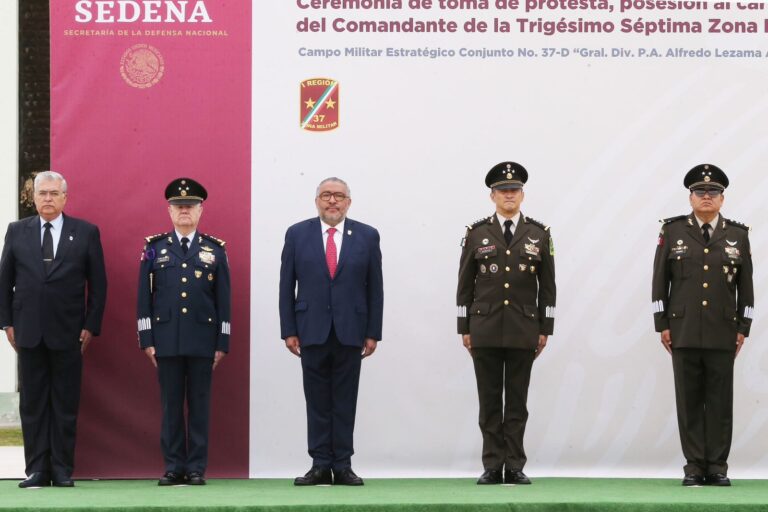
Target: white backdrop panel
606	142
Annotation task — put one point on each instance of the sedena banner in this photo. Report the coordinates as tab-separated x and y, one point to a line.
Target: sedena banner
143	92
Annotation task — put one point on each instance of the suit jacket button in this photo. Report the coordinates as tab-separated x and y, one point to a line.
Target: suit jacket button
509	252
183	279
210	319
706	251
184	310
706	267
704	303
506	285
506	303
183	265
183	295
507	269
705	285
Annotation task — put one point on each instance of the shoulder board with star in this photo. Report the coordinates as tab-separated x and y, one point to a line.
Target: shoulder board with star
217	241
152	238
738	224
470	227
537	223
673	219
479	222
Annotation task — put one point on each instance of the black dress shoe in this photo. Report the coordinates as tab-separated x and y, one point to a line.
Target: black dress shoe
346	477
195	478
718	479
489	477
36	480
63	481
315	476
691	480
171	478
513	476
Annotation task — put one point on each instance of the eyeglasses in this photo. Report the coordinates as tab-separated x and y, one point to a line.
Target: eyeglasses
338	196
712	192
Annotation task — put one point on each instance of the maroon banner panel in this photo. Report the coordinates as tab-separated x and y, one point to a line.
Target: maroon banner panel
143	92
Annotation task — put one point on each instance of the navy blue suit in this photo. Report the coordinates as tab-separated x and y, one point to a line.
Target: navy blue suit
47	310
332	318
184	312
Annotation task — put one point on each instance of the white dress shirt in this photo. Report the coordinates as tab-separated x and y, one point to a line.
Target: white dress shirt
515	219
190	237
56	226
711	224
338	236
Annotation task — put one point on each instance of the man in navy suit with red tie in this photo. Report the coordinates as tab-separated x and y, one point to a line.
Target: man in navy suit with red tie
331	308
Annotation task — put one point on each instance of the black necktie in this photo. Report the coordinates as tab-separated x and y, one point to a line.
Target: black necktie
705	232
508	231
184	246
47	246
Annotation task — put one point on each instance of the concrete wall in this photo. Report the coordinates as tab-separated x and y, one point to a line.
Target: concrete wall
8	154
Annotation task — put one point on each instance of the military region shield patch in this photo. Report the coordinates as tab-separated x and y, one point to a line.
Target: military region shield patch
319	105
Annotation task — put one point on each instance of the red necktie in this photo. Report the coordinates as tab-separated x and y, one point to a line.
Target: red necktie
330	252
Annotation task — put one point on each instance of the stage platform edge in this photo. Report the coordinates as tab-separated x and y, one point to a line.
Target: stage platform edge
422	495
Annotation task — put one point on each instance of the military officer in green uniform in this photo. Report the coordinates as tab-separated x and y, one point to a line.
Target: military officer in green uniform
506	303
703	305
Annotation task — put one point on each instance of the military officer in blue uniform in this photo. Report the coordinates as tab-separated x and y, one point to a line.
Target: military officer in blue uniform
703	304
183	323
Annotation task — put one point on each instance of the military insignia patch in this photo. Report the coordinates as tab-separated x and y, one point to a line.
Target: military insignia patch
552	247
488	249
523	267
532	249
319	105
483	269
732	252
732	244
494	268
207	257
206	248
210	277
198	274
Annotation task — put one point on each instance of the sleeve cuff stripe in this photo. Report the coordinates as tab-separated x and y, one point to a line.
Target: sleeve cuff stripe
658	306
144	324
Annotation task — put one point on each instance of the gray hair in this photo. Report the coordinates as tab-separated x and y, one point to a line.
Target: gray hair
335	180
50	176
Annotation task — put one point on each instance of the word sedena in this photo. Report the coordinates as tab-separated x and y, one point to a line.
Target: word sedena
146	11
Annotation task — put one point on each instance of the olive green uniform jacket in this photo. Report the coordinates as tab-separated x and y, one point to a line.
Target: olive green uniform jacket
702	291
506	295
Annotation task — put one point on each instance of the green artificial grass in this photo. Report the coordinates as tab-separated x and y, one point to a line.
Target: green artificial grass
11	437
419	495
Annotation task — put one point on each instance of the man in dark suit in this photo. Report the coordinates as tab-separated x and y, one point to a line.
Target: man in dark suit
332	320
183	320
506	303
703	303
53	288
